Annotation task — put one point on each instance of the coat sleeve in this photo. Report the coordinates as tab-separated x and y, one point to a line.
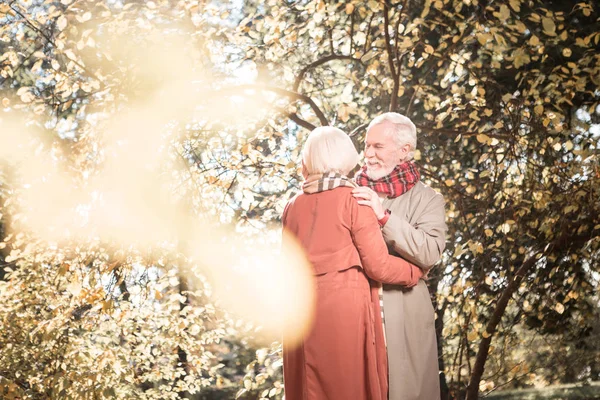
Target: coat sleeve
373	252
422	242
284	214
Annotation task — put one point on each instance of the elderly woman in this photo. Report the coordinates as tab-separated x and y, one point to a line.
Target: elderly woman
343	354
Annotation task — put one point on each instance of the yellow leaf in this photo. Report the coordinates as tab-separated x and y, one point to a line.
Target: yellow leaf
5	103
567	52
549	26
489	281
74	288
349	8
474	116
483	38
515	5
27	96
426	8
69	53
483	138
534	40
521	58
559	308
569	145
344	112
488	232
539	109
485	334
556	146
61	23
107	305
503	14
564	35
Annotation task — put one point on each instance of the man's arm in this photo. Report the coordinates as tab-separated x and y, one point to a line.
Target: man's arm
423	242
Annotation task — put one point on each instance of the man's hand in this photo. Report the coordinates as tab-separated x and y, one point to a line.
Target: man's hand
368	197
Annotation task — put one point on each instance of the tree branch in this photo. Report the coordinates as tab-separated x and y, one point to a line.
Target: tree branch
412	99
388	47
318	62
299	121
287	93
396	34
368	34
456	133
49	40
484	345
357	130
351	32
331	47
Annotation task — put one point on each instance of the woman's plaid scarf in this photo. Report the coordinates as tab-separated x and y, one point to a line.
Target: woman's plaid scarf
321	182
402	178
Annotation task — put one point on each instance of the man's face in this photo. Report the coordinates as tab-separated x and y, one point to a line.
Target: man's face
381	152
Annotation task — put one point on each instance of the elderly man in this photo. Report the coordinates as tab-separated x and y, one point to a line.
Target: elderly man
412	218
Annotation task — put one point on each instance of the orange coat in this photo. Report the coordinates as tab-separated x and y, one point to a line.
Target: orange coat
343	356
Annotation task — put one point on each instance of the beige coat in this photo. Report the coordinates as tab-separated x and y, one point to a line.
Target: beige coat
415	231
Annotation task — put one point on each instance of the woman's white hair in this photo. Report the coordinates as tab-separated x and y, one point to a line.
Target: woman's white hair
401	128
329	149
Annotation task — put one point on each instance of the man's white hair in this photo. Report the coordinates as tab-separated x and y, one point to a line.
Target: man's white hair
329	149
401	128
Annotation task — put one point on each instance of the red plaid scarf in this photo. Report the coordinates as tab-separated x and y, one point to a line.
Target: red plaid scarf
402	178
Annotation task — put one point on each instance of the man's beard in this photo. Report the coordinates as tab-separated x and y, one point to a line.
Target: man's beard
380	173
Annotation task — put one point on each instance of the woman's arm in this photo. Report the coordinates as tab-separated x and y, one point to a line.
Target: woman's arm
376	261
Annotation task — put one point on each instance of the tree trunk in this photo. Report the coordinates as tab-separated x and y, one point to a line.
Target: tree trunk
562	243
181	353
439	327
